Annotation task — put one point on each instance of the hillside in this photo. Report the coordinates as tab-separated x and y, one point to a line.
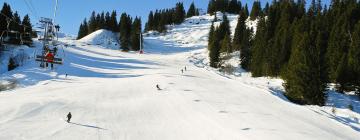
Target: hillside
113	95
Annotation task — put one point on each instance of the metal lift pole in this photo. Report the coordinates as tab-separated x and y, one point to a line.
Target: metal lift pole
56	7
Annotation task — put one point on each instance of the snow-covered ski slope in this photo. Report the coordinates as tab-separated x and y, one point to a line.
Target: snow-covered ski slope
112	96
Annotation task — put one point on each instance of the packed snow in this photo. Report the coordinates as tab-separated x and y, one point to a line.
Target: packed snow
113	95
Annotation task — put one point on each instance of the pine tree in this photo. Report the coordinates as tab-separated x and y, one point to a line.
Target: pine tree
135	34
211	35
179	15
98	22
80	32
162	24
256	10
15	23
113	22
214	52
245	49
125	31
219	42
156	20
224	27
239	30
303	82
27	30
15	26
339	43
211	7
86	28
246	10
266	9
149	25
83	30
107	21
281	48
259	51
354	58
342	75
242	41
192	10
197	12
234	7
102	23
225	44
321	42
92	22
221	5
6	14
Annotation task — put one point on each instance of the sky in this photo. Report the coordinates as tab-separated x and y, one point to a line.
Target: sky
71	13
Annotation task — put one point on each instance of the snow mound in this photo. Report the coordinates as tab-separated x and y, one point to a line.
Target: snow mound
20	53
101	37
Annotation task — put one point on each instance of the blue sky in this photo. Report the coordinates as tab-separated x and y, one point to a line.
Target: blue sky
72	12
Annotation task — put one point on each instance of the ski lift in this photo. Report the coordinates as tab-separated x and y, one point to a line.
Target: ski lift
8	34
48	56
49	52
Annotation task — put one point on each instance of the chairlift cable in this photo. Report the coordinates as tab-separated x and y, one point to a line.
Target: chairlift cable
31	9
34	9
56	7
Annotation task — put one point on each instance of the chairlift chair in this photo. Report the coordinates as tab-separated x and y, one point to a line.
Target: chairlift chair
48	56
25	35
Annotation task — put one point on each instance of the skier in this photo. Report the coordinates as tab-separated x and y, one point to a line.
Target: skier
182	71
69	117
185	68
158	87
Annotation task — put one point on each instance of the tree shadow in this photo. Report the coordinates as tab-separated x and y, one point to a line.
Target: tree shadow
343	100
89	126
77	64
343	120
279	93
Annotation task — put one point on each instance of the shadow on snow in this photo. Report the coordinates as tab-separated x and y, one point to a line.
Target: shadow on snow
89	126
79	65
156	46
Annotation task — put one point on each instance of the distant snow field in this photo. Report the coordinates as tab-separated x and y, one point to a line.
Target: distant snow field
112	95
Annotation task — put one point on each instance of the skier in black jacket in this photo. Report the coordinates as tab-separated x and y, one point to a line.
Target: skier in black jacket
69	117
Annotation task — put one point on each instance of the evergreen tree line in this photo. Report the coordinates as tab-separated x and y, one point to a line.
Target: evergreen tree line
160	18
98	21
228	6
19	31
235	7
308	48
129	28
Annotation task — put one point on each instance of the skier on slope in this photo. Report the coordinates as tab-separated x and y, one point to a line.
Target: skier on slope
182	71
69	117
185	68
158	87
